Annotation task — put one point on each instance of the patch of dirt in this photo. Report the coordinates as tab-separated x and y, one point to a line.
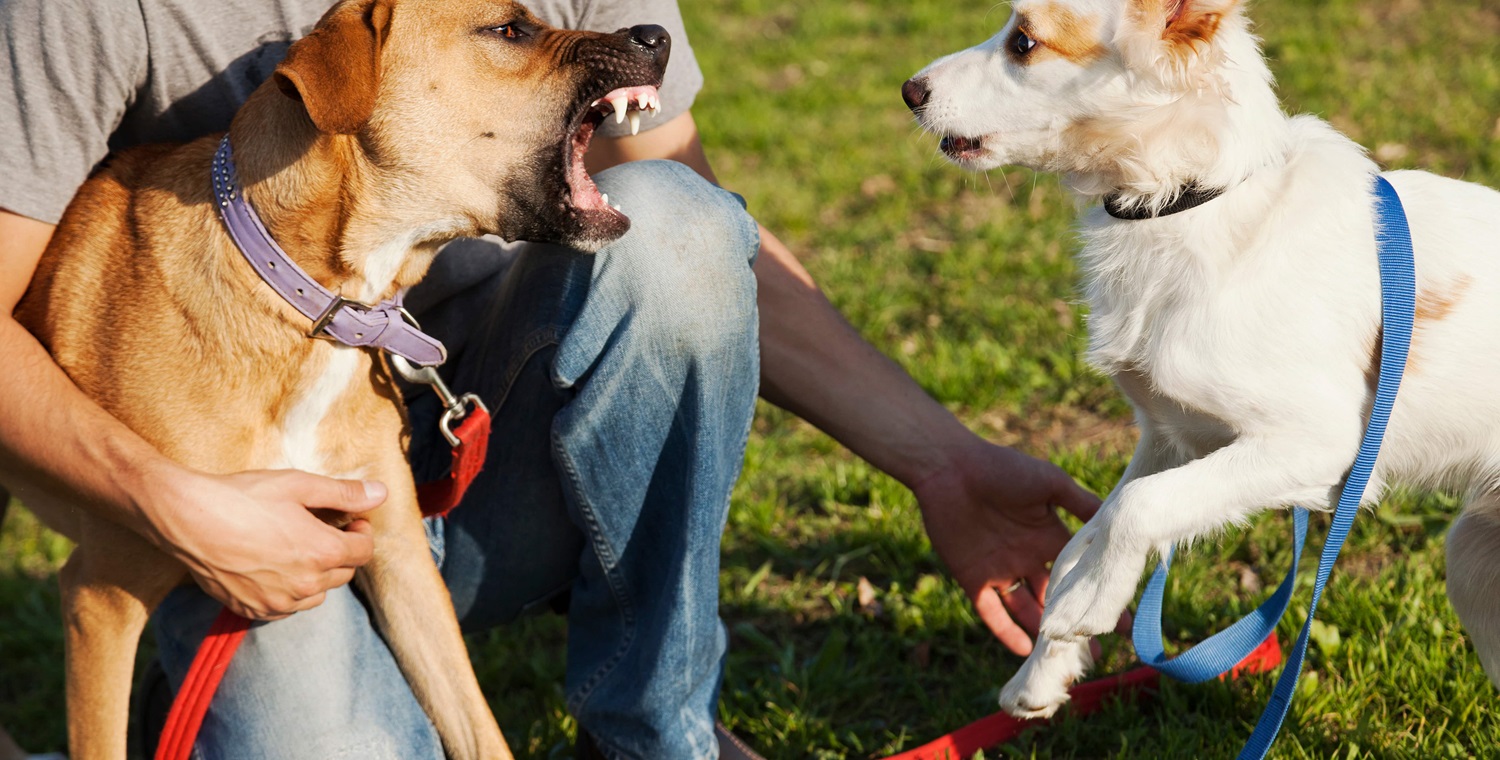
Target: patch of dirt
1060	427
1368	564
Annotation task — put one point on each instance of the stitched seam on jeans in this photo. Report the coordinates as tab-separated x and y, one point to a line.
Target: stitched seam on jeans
608	753
617	588
547	336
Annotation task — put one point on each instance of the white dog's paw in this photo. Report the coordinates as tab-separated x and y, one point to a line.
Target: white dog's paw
1041	685
1089	599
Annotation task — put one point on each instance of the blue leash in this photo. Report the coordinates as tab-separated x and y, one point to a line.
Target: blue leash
1222	651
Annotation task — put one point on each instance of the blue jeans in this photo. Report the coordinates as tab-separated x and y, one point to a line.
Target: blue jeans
622	387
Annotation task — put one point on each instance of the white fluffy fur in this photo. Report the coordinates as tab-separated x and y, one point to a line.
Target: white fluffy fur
1244	331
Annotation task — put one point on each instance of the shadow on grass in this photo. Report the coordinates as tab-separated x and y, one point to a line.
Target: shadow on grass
31	659
32	674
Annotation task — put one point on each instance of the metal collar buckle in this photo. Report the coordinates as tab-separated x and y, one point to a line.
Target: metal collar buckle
320	325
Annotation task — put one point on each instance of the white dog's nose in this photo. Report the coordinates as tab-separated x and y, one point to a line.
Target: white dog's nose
915	93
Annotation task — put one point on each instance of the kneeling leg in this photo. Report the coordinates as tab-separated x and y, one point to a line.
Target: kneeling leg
1474	577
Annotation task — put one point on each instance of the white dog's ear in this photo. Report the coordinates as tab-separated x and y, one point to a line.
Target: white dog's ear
1175	36
1193	23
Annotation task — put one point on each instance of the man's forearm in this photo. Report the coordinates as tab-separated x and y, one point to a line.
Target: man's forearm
53	437
248	538
814	364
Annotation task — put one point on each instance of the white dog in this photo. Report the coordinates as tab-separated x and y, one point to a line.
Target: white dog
1241	315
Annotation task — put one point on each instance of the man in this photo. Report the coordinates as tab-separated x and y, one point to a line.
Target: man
622	387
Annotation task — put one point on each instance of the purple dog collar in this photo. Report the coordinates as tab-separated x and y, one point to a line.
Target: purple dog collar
383	326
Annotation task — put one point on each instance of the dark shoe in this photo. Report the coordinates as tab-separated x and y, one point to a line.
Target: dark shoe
731	747
586	749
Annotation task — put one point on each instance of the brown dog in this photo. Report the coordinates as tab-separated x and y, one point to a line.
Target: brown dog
386	132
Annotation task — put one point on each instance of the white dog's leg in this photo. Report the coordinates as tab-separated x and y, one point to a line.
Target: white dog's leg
1474	577
1041	685
1096	574
1157	511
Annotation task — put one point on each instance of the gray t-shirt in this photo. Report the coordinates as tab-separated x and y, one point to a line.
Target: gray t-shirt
82	77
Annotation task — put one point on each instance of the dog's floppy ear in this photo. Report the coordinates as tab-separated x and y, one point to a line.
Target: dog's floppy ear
335	69
1192	23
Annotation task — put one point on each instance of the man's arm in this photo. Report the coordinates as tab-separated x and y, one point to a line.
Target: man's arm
988	509
247	538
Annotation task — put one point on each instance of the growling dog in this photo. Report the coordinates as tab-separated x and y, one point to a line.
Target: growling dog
392	128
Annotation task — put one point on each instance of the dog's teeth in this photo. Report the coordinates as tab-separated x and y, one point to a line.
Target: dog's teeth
635	122
616	207
594	104
620	105
605	196
642	100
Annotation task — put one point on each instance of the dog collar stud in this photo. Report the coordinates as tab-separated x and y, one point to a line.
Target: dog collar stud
385	325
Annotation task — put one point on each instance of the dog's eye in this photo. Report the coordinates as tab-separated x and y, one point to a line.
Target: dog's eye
508	31
1020	43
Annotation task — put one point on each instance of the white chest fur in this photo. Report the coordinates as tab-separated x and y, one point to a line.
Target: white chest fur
301	428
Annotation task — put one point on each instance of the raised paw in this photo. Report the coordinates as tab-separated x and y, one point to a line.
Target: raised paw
1041	685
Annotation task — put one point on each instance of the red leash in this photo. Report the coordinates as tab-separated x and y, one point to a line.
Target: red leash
470	444
228	630
198	688
1088	697
439	497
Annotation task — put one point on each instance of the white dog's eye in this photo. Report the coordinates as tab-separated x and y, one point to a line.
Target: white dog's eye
1020	43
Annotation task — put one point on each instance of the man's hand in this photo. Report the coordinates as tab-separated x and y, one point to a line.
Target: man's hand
252	543
991	517
248	539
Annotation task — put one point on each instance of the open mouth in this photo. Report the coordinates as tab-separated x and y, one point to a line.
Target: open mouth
621	104
962	148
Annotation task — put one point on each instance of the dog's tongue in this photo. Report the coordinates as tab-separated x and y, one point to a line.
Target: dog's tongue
628	102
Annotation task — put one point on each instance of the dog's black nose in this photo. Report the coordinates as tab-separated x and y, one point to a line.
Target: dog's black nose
651	37
915	93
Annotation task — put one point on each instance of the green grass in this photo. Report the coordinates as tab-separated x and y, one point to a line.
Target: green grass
967	281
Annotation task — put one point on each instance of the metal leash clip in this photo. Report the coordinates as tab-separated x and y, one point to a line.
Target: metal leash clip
455	408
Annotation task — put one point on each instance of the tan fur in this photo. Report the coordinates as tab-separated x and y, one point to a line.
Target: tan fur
1190	26
1436	306
144	301
1176	33
1433	306
1063	33
335	72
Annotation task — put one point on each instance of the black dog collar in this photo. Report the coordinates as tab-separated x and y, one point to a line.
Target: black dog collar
1190	196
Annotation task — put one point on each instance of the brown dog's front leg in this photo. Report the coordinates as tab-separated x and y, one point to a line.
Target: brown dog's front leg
109	586
415	614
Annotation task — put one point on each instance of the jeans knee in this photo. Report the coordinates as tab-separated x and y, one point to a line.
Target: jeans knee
687	256
1473	578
